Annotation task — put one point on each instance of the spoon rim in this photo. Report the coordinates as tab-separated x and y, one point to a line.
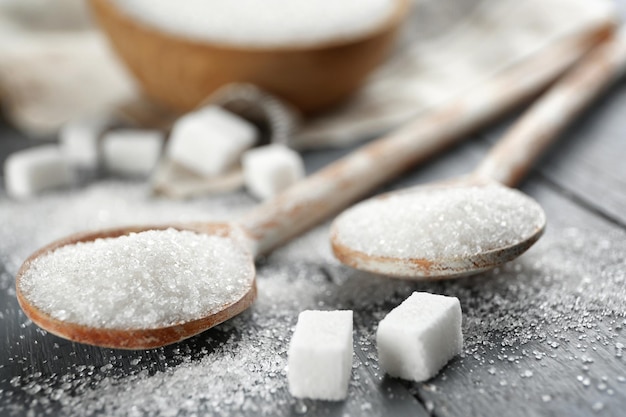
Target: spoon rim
134	338
444	267
419	269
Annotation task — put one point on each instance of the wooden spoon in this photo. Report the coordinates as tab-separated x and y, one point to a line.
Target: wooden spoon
506	164
181	73
323	194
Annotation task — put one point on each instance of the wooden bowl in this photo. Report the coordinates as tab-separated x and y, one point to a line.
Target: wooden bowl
180	73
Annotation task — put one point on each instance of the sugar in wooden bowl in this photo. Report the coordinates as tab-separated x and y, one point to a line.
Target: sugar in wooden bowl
312	53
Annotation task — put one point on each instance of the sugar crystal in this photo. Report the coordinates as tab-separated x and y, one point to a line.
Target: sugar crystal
439	223
150	279
132	152
417	338
539	300
79	140
31	171
320	355
211	140
270	169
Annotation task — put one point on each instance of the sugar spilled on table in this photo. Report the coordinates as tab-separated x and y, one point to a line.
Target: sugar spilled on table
526	315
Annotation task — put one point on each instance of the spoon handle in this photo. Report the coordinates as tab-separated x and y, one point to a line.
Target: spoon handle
512	157
353	177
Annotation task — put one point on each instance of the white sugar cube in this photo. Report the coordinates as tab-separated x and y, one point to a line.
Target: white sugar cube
320	355
132	152
417	338
270	169
211	140
79	141
31	171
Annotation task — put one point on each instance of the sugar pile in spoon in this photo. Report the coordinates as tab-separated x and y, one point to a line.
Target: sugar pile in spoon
439	223
142	280
263	23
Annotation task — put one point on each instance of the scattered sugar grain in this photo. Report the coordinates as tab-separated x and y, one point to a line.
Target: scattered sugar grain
320	355
597	406
545	296
132	152
439	223
268	170
211	140
34	170
266	23
243	363
417	338
527	374
142	280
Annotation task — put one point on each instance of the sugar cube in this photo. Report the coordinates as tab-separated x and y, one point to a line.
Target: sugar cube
79	141
270	169
417	338
132	152
210	140
31	171
320	355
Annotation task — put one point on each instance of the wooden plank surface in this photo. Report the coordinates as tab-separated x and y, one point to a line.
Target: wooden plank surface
592	166
588	161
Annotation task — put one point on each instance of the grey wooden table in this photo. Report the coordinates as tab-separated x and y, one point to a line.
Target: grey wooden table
544	334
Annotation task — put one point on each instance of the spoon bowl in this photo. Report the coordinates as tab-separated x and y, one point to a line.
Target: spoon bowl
181	73
417	266
143	338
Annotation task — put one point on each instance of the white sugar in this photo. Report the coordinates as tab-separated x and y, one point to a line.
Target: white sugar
268	170
143	280
79	140
263	23
320	355
538	306
548	296
35	170
132	152
442	223
417	338
211	140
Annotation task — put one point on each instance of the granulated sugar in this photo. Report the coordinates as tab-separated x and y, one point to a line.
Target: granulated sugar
103	205
236	367
445	222
512	316
263	23
556	310
150	279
